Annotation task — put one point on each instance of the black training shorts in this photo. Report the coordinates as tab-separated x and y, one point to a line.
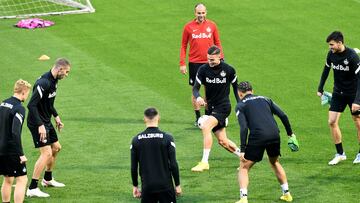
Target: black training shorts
167	196
339	102
221	114
256	152
193	69
51	135
10	166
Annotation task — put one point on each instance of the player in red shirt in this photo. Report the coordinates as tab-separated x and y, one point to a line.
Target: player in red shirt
201	34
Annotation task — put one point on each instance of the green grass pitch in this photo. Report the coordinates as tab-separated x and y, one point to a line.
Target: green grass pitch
125	58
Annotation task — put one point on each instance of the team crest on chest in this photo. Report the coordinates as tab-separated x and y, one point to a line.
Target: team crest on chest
346	62
208	29
222	74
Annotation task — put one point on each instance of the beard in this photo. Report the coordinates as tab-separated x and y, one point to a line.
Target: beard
201	19
60	77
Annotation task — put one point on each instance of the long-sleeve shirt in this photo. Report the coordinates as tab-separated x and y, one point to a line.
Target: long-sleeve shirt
216	81
255	114
153	154
12	115
41	105
346	66
200	36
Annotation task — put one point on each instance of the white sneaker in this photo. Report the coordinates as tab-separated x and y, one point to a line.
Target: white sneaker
51	183
357	159
337	158
36	193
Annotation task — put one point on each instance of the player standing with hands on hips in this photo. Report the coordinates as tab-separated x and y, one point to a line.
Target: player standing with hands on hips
200	34
259	132
12	158
41	108
346	92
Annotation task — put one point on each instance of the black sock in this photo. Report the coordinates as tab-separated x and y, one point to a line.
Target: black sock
48	175
197	114
339	148
33	184
206	112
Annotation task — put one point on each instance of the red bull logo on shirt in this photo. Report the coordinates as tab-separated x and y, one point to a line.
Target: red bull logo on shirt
340	67
201	36
216	80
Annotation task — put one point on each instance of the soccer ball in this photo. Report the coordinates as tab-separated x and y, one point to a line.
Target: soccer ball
201	120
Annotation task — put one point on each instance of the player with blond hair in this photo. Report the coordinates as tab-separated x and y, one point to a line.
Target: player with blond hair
12	157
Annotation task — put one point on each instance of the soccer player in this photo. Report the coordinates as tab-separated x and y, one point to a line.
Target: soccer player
346	92
216	76
12	158
255	114
200	33
153	152
41	108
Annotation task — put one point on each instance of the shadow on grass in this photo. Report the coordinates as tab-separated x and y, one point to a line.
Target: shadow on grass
119	120
333	174
95	166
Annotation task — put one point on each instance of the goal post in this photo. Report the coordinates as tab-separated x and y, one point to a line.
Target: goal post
30	8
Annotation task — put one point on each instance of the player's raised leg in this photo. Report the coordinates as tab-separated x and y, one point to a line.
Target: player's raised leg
206	128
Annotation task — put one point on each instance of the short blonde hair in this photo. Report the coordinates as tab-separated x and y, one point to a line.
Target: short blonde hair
21	85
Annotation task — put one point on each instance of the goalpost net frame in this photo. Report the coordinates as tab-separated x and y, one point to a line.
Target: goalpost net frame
88	8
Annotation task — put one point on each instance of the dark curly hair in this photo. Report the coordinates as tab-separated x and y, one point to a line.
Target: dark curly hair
244	86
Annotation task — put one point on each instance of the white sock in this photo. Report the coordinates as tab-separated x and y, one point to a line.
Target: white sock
237	152
285	188
243	192
205	157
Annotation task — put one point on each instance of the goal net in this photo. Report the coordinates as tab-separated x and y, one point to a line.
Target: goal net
29	8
